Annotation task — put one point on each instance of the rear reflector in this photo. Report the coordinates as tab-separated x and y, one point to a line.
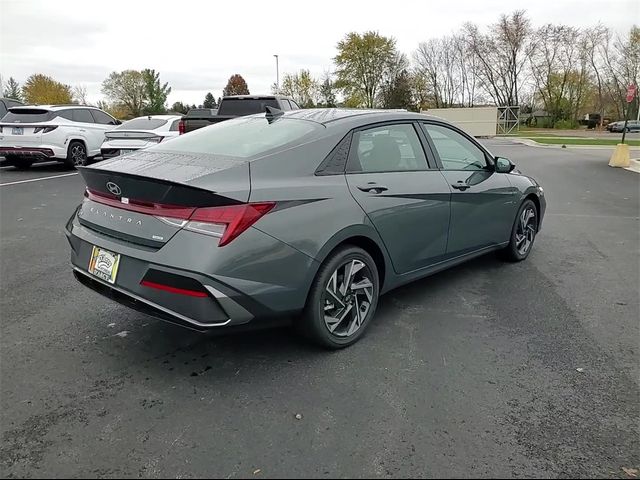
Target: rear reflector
225	222
167	288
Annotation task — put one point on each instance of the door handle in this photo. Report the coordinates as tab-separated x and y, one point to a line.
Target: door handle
461	186
373	188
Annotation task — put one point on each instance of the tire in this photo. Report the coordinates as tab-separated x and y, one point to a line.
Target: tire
315	323
19	163
76	155
523	233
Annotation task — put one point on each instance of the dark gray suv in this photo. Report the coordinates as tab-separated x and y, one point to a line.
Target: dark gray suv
311	212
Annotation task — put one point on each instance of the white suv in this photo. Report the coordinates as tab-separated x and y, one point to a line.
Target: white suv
68	133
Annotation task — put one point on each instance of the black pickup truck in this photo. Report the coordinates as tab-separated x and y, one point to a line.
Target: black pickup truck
232	107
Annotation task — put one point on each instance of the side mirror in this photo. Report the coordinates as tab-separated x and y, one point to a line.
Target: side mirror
504	165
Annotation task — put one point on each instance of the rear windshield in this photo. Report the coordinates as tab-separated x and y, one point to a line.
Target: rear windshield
142	124
28	115
201	112
242	137
246	106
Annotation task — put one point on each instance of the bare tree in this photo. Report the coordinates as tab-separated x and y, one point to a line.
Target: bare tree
502	55
80	94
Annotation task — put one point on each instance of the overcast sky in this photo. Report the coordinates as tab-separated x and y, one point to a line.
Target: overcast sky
196	45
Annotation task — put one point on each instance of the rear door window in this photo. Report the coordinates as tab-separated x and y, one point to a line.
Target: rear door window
68	114
82	115
391	148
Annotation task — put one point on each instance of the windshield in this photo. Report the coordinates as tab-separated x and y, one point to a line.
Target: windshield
242	137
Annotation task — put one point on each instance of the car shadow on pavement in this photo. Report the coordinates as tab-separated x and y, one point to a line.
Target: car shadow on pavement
55	167
174	352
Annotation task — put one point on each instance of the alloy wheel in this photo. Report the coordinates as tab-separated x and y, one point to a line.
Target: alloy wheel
347	298
526	230
78	155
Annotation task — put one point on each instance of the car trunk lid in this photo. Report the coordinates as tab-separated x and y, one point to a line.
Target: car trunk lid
147	197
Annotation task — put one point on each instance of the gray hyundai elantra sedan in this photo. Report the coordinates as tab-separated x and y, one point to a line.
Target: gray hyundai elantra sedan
309	214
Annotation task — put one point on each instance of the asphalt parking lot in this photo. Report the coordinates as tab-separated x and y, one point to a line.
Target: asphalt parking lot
470	373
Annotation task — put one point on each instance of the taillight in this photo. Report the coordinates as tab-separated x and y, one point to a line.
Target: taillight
44	129
181	127
227	222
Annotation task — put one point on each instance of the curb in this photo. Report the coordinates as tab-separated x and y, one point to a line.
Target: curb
533	143
635	165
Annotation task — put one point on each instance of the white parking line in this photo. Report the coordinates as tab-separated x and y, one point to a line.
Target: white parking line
38	179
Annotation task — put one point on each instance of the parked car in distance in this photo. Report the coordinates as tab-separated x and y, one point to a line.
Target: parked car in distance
6	104
139	133
311	213
618	127
71	134
233	107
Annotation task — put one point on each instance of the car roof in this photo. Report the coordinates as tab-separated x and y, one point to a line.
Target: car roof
355	116
161	117
55	107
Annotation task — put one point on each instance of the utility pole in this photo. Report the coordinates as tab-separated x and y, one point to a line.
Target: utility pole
277	75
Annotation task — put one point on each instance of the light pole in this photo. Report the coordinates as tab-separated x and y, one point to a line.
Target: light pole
277	75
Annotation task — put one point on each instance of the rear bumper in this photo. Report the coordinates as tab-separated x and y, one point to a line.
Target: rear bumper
38	153
236	288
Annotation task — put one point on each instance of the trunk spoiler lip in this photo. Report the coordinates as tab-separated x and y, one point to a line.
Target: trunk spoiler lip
134	176
115	133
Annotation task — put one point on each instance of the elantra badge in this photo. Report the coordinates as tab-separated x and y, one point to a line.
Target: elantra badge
114	189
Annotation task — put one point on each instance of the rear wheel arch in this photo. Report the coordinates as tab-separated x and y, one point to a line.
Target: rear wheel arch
362	238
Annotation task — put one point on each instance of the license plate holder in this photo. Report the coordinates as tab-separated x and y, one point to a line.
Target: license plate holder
17	131
104	264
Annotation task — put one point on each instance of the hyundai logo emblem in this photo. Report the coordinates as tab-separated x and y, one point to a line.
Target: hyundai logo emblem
114	188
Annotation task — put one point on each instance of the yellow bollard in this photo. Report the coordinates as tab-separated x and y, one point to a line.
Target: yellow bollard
620	156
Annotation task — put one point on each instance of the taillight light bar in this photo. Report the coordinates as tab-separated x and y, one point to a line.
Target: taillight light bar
181	128
226	222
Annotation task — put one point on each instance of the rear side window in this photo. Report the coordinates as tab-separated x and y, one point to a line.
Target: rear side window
102	118
174	126
294	105
246	106
392	148
142	123
3	110
28	115
242	137
82	115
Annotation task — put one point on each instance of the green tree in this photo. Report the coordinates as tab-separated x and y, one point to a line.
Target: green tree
127	88
236	86
326	93
156	94
302	87
362	63
12	89
209	101
397	92
42	89
179	107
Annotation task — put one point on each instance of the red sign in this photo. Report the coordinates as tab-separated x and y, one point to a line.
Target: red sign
631	93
